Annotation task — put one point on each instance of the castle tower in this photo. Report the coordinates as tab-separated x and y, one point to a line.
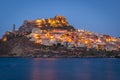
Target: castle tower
13	30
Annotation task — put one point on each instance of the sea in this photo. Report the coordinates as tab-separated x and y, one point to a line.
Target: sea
59	68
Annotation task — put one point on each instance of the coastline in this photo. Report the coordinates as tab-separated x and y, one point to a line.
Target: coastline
56	56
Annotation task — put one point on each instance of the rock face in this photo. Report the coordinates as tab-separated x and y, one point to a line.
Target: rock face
20	46
58	22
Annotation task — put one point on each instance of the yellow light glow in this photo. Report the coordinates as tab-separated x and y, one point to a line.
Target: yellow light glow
4	39
86	41
113	39
37	36
38	21
52	37
69	40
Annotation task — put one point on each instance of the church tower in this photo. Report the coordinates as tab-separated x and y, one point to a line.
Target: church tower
13	30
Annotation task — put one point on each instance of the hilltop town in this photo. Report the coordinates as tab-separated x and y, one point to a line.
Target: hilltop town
55	37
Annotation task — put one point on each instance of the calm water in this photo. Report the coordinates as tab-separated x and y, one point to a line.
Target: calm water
59	69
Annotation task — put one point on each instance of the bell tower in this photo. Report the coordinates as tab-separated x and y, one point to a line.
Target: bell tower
13	30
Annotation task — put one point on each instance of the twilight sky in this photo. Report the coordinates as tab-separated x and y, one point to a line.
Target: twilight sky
102	16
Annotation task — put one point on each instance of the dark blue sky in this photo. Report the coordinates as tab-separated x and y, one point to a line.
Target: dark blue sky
102	16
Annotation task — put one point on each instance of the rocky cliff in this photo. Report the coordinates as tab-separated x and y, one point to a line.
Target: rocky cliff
58	22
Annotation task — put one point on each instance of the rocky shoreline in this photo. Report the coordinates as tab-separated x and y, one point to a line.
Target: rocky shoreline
47	56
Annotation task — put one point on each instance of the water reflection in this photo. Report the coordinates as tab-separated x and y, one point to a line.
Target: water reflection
110	74
86	72
73	69
43	69
59	69
35	70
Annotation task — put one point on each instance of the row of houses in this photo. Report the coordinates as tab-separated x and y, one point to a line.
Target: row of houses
78	38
